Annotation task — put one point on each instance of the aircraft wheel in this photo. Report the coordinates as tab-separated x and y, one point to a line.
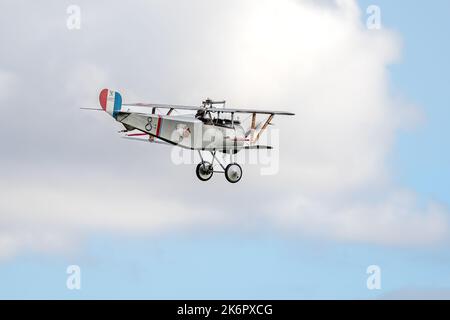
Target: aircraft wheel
233	172
204	171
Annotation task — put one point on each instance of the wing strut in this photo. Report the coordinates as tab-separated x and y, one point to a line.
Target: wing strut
253	128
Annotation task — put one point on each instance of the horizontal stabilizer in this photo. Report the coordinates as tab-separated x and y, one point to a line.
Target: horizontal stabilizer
92	109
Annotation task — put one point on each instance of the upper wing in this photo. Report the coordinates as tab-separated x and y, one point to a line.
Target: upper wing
161	106
227	110
213	109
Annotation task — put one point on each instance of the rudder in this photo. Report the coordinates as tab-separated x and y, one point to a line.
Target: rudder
110	101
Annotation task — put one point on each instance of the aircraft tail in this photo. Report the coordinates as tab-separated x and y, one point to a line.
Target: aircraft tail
110	101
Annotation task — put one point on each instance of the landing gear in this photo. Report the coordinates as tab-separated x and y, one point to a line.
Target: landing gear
233	173
204	171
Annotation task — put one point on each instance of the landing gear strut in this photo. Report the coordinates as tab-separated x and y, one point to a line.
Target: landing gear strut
205	170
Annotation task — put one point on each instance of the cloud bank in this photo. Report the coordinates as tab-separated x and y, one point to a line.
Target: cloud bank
66	174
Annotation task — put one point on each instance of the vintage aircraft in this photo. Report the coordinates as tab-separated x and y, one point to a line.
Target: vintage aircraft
212	129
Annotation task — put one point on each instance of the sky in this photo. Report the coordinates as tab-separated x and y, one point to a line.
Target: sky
363	173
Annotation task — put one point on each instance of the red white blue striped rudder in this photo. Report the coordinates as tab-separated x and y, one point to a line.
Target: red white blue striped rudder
110	101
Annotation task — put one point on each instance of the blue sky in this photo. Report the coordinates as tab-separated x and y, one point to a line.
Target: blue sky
267	265
226	266
422	157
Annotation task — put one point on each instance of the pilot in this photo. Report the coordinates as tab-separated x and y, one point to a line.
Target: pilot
200	114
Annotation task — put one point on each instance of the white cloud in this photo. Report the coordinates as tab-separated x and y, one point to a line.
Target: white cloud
316	59
395	220
52	217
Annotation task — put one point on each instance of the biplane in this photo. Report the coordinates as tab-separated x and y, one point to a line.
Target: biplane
210	127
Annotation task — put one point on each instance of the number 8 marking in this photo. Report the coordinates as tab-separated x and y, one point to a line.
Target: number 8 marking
149	125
